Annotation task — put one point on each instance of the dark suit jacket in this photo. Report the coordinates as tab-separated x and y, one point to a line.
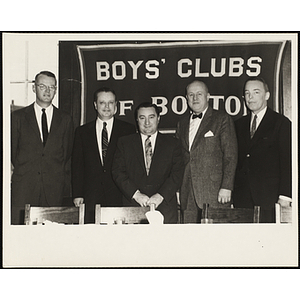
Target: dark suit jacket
35	166
264	162
90	179
165	173
211	162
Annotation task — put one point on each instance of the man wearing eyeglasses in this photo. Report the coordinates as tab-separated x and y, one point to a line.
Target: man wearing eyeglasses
41	143
263	174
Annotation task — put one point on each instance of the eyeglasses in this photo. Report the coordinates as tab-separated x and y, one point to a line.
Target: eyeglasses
43	87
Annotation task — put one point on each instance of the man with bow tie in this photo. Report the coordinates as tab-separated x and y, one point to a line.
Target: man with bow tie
209	149
148	165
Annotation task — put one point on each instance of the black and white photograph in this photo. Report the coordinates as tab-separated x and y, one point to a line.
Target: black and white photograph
150	150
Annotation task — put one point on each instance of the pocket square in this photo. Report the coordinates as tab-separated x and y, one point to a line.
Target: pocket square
208	134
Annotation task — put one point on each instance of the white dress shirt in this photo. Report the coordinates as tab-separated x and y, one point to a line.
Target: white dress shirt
99	127
259	118
38	115
194	126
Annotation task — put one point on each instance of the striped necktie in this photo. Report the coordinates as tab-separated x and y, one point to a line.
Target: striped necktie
148	152
253	127
104	140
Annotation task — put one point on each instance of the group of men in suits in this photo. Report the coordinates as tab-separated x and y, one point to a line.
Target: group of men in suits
211	159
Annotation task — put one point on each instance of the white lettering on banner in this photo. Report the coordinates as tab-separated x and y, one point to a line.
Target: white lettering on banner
213	67
253	65
179	67
175	105
197	70
155	70
122	66
216	101
235	63
125	105
228	105
236	66
135	67
102	68
179	105
162	104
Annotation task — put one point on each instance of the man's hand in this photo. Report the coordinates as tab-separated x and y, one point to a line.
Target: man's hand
156	199
77	201
224	196
141	198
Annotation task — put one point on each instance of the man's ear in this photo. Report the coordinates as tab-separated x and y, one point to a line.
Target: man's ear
33	88
267	96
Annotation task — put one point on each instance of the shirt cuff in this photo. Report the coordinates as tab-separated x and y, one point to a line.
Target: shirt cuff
285	198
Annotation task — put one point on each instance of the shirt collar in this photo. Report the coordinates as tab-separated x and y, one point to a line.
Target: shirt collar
203	113
260	115
39	108
144	136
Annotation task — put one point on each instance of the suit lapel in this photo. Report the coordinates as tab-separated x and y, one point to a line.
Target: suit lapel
31	119
55	124
113	140
203	127
92	136
139	151
157	153
262	128
186	130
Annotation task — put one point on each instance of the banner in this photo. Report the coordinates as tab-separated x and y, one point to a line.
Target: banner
159	73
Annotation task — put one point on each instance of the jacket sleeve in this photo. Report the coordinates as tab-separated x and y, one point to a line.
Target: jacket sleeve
230	152
120	172
174	180
14	137
284	141
77	166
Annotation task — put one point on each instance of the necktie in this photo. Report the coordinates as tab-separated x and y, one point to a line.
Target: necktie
104	140
148	151
44	127
194	116
253	127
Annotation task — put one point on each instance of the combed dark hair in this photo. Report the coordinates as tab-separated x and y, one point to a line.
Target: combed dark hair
105	90
256	79
47	73
146	105
194	81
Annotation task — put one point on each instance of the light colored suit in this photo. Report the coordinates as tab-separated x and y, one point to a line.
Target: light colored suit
211	162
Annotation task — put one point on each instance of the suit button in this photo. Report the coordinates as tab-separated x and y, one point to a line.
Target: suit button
248	155
104	171
43	154
39	173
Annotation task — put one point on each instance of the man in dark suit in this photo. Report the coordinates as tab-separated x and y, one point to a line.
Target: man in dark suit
209	149
263	175
41	145
94	148
148	165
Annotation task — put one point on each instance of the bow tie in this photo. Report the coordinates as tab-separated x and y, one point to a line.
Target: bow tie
197	116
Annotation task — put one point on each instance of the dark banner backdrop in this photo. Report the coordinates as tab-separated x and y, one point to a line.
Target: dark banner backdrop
159	72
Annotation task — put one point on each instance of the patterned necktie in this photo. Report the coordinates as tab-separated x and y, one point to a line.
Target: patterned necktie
148	151
253	127
104	140
44	127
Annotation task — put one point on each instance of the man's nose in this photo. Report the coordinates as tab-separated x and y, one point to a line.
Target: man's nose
147	121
